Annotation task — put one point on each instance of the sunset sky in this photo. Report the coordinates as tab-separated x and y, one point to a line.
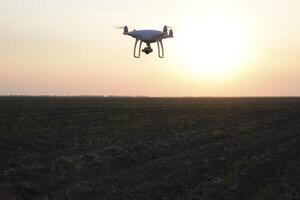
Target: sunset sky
220	48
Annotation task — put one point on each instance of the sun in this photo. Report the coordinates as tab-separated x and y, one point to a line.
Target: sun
213	46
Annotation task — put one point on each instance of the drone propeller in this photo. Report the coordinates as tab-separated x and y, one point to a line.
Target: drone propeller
171	27
119	27
125	28
174	29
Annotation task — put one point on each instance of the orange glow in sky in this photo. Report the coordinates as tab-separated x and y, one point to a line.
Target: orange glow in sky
220	48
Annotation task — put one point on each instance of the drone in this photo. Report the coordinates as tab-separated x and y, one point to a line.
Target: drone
148	37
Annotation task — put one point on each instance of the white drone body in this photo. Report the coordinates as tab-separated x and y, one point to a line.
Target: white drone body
148	37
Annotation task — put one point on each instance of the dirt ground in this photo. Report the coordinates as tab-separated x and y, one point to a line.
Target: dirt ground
149	148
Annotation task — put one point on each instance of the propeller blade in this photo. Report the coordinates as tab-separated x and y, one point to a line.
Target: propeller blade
119	27
169	26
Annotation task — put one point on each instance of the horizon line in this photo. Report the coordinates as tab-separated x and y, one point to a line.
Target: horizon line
146	96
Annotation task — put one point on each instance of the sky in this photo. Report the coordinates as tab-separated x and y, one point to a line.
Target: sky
220	48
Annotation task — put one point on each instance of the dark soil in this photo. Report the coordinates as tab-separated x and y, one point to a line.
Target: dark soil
149	148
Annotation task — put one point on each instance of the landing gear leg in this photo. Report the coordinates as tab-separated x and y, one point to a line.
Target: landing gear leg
140	46
160	45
